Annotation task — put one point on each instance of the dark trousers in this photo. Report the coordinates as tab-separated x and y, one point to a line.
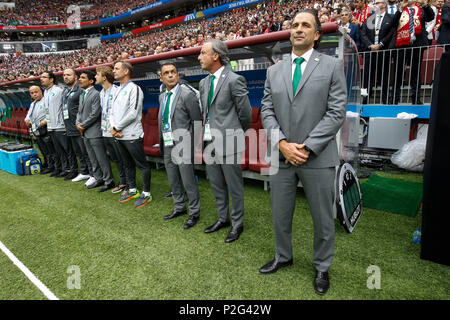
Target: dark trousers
101	167
48	150
82	155
132	152
113	148
65	154
376	69
413	58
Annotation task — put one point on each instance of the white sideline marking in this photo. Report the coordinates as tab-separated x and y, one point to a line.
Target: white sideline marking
28	273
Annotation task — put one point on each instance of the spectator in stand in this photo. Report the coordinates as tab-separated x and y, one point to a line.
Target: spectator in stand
410	36
444	31
376	35
286	25
336	15
351	29
324	18
278	24
392	7
362	12
431	24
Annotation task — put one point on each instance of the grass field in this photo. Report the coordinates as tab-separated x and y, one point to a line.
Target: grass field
125	253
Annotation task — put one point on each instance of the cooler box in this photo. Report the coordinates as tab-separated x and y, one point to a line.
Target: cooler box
11	156
2	154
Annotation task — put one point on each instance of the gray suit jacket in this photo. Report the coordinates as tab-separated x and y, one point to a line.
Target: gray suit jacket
185	110
314	114
230	109
89	114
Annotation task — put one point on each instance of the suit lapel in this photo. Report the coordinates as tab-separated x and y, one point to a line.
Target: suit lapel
222	79
310	66
287	76
161	107
206	85
175	101
86	97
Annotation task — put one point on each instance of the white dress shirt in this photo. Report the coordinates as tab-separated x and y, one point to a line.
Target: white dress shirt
217	75
172	98
306	56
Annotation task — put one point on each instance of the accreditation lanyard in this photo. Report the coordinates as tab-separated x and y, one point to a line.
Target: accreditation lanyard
47	107
105	113
120	90
167	130
33	125
66	109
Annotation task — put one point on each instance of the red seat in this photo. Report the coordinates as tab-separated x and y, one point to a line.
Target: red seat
430	60
257	154
251	138
151	135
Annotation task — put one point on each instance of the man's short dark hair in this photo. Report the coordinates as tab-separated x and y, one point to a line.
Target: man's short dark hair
168	64
90	74
51	75
314	12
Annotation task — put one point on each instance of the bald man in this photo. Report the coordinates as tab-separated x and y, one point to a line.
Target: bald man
70	97
36	113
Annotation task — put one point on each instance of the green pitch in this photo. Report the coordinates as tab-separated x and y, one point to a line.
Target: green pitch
53	226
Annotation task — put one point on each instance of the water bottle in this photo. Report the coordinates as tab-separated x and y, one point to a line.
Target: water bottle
416	236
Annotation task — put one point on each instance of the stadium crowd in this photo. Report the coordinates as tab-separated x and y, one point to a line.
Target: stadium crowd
55	12
33	12
267	17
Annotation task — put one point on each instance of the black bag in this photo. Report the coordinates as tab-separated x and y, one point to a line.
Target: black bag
42	130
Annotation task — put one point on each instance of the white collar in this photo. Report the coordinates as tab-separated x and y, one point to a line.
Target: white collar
174	89
218	73
306	55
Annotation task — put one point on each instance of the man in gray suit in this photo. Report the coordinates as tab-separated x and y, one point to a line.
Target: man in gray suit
71	101
304	104
227	115
179	108
88	123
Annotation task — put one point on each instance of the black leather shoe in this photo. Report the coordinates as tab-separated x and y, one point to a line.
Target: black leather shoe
168	195
107	187
55	174
63	174
192	221
217	226
175	214
234	234
321	282
96	184
274	265
46	170
71	175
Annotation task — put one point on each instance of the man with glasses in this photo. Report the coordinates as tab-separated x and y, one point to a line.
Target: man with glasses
376	35
65	160
411	35
351	29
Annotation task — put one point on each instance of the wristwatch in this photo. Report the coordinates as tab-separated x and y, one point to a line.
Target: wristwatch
307	149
